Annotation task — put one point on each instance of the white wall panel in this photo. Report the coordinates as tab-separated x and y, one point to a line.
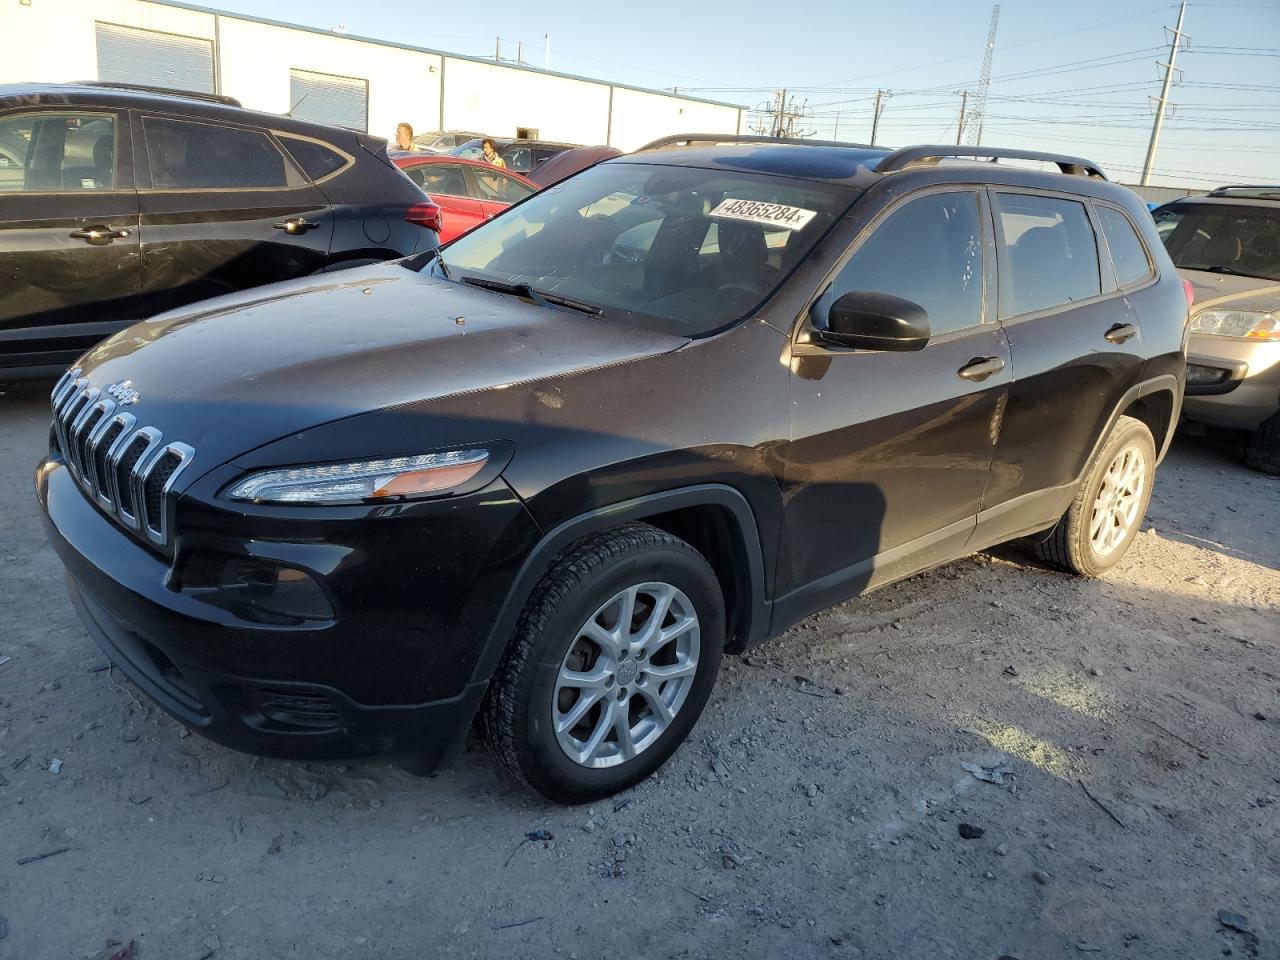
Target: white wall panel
54	41
640	117
257	58
483	96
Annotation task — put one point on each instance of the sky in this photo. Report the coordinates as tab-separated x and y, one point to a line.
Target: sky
1079	78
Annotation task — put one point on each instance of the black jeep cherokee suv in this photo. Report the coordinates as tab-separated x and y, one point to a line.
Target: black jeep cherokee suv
664	409
123	202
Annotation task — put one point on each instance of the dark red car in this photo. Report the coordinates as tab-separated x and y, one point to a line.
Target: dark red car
468	192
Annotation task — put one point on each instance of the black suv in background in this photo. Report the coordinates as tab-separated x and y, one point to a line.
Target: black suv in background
117	204
662	410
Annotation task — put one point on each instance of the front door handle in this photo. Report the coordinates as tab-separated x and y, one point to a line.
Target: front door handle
979	368
295	226
99	235
1120	332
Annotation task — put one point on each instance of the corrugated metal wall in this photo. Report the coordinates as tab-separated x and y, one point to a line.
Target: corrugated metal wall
326	98
130	55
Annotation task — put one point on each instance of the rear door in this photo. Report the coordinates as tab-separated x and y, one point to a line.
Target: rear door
1076	344
494	189
447	185
222	209
890	451
69	265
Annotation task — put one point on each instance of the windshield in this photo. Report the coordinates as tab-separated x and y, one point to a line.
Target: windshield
680	250
1223	238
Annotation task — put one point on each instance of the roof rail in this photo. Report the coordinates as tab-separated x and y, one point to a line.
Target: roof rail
1075	166
1253	191
162	91
711	139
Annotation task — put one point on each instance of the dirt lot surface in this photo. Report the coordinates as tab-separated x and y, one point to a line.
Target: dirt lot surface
820	809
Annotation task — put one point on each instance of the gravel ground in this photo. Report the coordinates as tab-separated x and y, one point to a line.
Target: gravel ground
820	809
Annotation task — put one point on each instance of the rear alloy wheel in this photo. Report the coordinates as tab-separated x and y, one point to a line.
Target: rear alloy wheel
1097	529
613	660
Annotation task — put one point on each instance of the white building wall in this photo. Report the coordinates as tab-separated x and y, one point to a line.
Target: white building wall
54	41
496	100
640	117
404	85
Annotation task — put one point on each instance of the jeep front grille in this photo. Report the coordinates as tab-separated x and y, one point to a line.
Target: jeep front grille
126	469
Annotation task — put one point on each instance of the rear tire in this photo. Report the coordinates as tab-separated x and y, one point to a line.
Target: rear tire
1262	449
589	699
1097	529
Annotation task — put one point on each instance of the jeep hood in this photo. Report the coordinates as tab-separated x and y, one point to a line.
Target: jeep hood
230	374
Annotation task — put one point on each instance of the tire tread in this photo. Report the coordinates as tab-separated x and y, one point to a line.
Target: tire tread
500	715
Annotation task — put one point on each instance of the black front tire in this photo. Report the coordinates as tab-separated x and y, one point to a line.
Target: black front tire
1262	449
517	714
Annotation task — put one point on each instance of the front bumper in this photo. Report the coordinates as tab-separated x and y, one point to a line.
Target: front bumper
375	679
1247	388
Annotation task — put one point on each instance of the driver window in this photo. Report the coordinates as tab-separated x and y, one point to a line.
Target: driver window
929	251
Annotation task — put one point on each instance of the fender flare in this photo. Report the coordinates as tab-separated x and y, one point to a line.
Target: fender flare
541	557
1165	383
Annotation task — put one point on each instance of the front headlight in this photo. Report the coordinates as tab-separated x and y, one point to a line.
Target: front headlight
361	481
1250	324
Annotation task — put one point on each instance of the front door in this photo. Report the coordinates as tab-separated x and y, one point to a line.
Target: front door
495	189
69	265
890	452
223	210
1077	348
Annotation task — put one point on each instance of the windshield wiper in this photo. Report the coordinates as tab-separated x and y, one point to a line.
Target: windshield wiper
1218	268
537	296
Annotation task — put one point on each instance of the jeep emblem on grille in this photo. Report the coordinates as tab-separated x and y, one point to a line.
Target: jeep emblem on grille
123	392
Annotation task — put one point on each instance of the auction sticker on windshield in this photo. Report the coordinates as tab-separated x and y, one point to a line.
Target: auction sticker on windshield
758	211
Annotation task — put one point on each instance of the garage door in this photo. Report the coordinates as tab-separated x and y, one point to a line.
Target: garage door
128	55
326	98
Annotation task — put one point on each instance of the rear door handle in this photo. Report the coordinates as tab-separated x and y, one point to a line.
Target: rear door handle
979	368
295	226
1120	332
98	235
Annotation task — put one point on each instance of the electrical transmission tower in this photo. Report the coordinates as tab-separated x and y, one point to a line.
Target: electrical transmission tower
780	116
978	112
1163	102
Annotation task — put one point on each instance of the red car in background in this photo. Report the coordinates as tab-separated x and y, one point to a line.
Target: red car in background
468	192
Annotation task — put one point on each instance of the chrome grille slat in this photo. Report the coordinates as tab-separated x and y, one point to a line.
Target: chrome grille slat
121	478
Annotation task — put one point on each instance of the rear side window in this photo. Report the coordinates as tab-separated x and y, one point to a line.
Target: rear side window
185	154
316	159
442	178
1051	256
1127	252
57	152
928	251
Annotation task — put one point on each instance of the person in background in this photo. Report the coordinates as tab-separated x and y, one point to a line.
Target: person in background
404	138
491	154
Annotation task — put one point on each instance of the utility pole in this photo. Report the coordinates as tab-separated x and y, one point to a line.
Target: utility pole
519	53
875	118
979	113
778	117
964	101
1164	95
546	51
497	50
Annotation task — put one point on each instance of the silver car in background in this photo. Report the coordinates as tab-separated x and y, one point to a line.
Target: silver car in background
1227	245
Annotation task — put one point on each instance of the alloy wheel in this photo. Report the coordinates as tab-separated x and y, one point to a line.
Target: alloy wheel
626	675
1116	509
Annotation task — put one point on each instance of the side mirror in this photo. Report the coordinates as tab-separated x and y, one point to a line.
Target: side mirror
876	321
